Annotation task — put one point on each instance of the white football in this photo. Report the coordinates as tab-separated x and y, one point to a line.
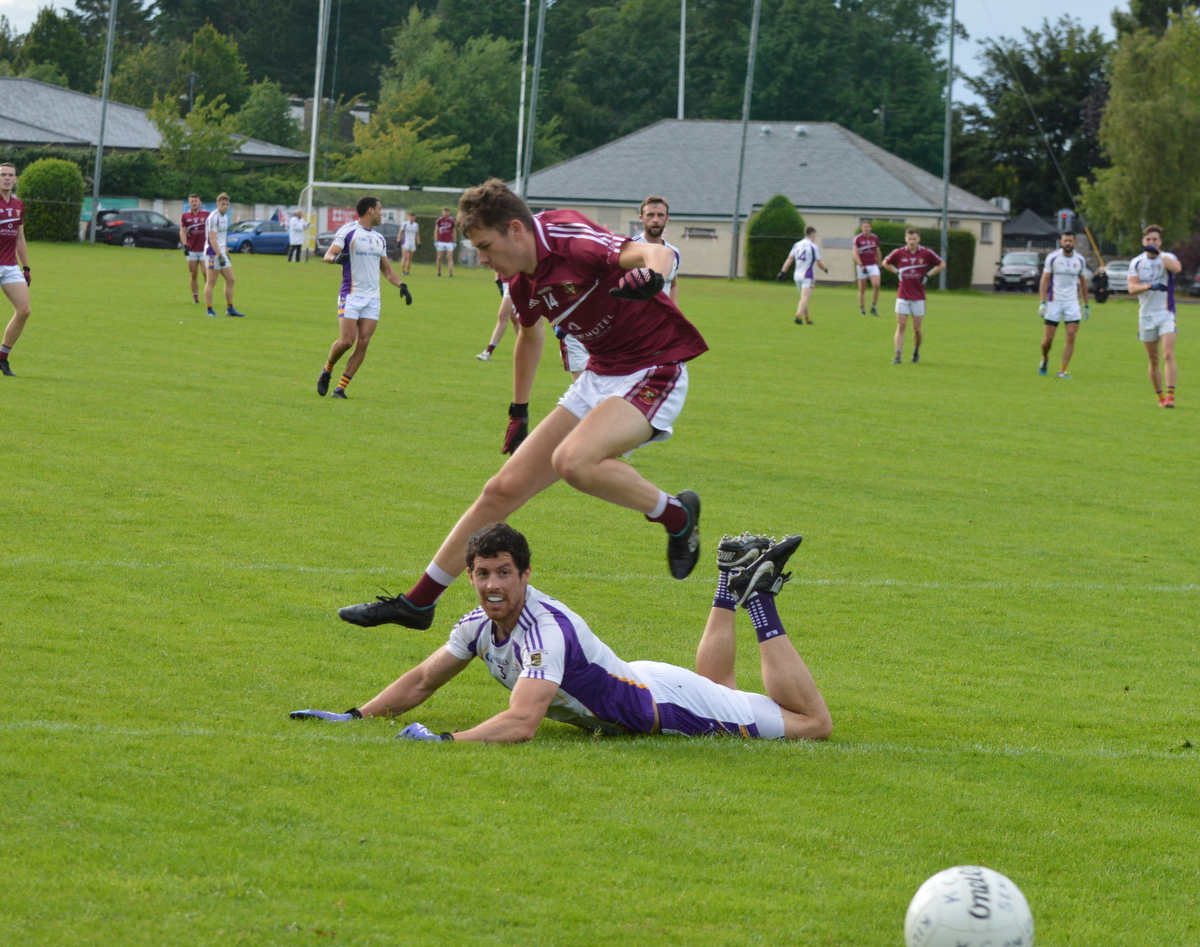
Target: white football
968	906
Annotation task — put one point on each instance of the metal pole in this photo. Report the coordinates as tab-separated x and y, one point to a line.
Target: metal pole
533	90
946	149
521	107
682	48
737	201
112	32
318	83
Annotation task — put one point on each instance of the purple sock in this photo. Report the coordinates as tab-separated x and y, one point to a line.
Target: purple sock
765	617
722	598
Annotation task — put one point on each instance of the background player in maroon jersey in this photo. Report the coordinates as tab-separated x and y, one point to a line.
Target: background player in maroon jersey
914	264
443	240
191	235
866	266
607	291
14	261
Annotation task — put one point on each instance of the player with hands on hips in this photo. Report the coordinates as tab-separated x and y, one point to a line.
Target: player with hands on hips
15	275
567	271
1152	280
1064	294
865	250
805	254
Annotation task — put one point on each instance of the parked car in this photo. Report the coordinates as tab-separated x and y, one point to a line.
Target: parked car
1020	269
1117	272
257	236
1194	285
391	233
136	228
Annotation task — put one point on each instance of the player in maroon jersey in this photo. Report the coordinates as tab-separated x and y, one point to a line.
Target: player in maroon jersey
914	264
14	261
443	240
866	266
191	235
607	291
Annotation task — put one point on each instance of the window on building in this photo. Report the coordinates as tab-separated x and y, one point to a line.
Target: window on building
699	233
954	224
635	228
985	232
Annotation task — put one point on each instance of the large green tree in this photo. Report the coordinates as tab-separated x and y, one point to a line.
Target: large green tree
56	40
266	116
1153	15
149	73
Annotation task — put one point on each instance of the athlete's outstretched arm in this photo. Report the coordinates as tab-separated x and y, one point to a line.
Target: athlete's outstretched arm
526	354
415	687
526	709
653	256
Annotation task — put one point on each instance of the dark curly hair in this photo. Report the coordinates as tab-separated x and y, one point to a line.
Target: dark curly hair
495	540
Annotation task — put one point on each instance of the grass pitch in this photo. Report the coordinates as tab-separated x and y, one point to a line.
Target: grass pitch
997	594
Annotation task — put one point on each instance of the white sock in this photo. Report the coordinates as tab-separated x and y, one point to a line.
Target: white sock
659	507
438	574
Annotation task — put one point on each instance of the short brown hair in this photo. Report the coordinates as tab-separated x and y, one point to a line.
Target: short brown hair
916	230
653	199
809	231
190	196
491	206
8	164
493	541
1153	228
224	195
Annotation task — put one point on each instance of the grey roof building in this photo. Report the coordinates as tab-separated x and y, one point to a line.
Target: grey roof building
37	113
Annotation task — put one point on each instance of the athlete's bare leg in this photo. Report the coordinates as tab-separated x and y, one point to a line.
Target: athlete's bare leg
347	336
366	329
716	655
862	293
1048	338
1069	344
1168	356
210	280
588	458
918	335
802	308
1155	371
227	275
790	684
875	283
901	325
193	273
18	295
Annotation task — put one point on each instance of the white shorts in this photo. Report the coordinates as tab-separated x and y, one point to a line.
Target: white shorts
659	393
358	307
11	274
1063	312
195	256
217	262
409	244
804	283
574	355
690	705
910	307
443	246
871	269
1154	327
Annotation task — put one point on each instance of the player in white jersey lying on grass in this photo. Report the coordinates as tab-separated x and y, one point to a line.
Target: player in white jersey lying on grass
1064	292
556	667
1152	280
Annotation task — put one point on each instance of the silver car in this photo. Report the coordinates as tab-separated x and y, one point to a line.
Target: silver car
1117	272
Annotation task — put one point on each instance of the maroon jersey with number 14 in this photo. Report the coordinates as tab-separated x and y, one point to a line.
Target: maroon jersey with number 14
576	267
12	213
193	225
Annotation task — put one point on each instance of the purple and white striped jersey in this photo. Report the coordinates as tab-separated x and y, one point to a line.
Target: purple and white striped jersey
1150	270
597	690
360	274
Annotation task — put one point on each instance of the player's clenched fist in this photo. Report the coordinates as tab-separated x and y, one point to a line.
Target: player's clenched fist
640	284
518	427
405	294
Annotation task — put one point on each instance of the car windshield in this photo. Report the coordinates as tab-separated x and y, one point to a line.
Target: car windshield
1117	264
244	227
1020	259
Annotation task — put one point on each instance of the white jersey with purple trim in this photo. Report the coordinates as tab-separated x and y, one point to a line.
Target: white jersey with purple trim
597	690
668	278
360	274
216	225
1150	270
1064	271
805	253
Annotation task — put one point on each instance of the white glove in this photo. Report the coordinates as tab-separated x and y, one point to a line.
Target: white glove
1042	310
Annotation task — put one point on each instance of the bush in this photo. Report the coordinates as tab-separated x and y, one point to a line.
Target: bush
770	235
960	252
52	190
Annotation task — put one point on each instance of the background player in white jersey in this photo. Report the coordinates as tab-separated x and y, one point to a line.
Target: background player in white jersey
216	229
805	254
15	276
1064	292
866	266
410	239
1152	279
556	667
504	316
361	251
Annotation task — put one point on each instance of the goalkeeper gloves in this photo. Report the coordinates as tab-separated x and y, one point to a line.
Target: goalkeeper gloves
518	427
421	733
26	274
640	284
342	258
351	714
780	276
405	294
1151	250
1042	309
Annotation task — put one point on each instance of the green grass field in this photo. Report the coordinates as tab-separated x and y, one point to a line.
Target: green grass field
997	594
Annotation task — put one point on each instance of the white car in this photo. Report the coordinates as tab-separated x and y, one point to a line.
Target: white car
1117	272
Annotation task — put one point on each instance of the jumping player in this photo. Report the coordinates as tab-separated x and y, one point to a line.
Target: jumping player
410	239
216	229
504	316
1152	279
443	240
914	264
866	266
556	667
15	275
606	290
192	236
362	253
805	254
1064	292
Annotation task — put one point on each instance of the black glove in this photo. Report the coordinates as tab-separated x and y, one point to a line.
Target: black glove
560	333
1151	250
342	258
518	427
405	294
780	276
640	284
28	278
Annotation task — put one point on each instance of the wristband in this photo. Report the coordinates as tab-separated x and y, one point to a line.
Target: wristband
520	411
355	713
447	737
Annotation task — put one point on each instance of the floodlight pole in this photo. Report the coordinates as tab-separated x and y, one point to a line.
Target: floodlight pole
521	107
682	49
318	84
946	149
737	201
112	32
533	94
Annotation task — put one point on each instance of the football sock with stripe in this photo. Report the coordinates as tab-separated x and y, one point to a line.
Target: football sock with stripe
328	367
491	348
4	350
346	379
1170	388
722	598
764	615
670	512
429	588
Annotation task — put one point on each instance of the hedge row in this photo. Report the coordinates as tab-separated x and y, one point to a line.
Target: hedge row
52	192
960	253
770	236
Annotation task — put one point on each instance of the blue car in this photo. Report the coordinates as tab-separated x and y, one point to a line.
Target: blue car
257	236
